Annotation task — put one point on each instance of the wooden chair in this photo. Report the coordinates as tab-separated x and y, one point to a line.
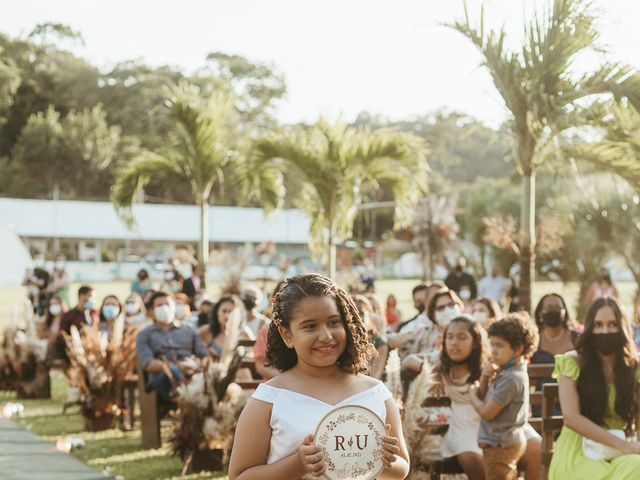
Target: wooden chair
537	371
149	413
550	424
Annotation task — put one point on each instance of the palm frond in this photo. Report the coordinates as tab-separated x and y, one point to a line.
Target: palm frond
133	178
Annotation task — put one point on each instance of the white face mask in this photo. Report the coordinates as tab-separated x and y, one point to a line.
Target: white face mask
165	313
480	317
131	308
465	294
444	317
55	309
181	311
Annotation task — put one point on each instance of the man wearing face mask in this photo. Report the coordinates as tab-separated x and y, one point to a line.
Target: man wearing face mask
164	344
84	313
461	282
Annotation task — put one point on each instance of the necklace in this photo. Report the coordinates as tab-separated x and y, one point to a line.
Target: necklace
553	339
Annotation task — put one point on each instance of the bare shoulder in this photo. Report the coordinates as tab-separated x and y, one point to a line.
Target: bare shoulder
282	380
257	408
366	381
576	357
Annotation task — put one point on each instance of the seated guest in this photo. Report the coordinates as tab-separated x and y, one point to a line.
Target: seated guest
164	344
598	389
379	341
556	336
213	335
110	309
485	311
443	307
253	320
135	313
84	313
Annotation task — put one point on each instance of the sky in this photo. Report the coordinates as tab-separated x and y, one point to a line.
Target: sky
339	57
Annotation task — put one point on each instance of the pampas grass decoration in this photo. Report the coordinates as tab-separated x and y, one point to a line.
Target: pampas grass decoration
421	445
208	409
392	369
99	365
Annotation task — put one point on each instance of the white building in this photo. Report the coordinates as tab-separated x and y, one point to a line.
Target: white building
93	231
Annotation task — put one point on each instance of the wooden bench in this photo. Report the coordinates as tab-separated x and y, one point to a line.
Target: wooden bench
537	371
550	424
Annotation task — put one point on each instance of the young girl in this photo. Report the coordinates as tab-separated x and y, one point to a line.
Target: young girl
505	407
599	387
463	353
319	342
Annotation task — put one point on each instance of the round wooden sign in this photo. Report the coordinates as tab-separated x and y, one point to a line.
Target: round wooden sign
350	437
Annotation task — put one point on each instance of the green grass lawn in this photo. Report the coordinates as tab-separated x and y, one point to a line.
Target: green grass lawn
113	452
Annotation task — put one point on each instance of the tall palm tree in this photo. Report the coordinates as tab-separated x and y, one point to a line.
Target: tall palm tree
547	99
204	153
336	163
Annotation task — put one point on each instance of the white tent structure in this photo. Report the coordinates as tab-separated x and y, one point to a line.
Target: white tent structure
14	257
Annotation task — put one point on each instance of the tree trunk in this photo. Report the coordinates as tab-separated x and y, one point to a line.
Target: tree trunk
527	249
332	259
203	244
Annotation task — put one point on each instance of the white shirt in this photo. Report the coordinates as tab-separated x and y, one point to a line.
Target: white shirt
295	415
492	287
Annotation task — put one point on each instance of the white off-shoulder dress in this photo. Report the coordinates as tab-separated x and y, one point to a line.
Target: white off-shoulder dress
295	415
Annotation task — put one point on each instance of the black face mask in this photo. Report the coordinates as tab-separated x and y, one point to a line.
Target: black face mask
552	318
419	307
608	343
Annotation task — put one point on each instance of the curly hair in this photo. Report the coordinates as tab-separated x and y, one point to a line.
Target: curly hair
518	330
591	383
358	352
479	351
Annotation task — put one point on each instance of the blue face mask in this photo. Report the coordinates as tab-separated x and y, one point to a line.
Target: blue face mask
510	363
110	311
89	304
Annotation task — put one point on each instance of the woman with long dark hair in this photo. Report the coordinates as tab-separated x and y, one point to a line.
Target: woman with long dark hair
599	400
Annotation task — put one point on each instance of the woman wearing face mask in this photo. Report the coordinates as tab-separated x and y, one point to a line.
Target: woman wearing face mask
172	282
51	320
110	310
183	311
485	311
556	336
599	387
444	306
135	314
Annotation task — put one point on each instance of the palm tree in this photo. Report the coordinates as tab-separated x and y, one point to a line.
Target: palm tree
547	99
336	163
203	153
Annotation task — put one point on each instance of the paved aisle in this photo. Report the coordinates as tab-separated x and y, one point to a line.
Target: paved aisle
23	456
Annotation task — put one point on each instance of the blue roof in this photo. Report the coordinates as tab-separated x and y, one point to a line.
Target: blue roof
99	220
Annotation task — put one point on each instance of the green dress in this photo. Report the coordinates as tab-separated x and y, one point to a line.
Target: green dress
568	461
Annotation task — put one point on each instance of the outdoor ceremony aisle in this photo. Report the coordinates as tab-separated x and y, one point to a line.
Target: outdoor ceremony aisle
23	456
